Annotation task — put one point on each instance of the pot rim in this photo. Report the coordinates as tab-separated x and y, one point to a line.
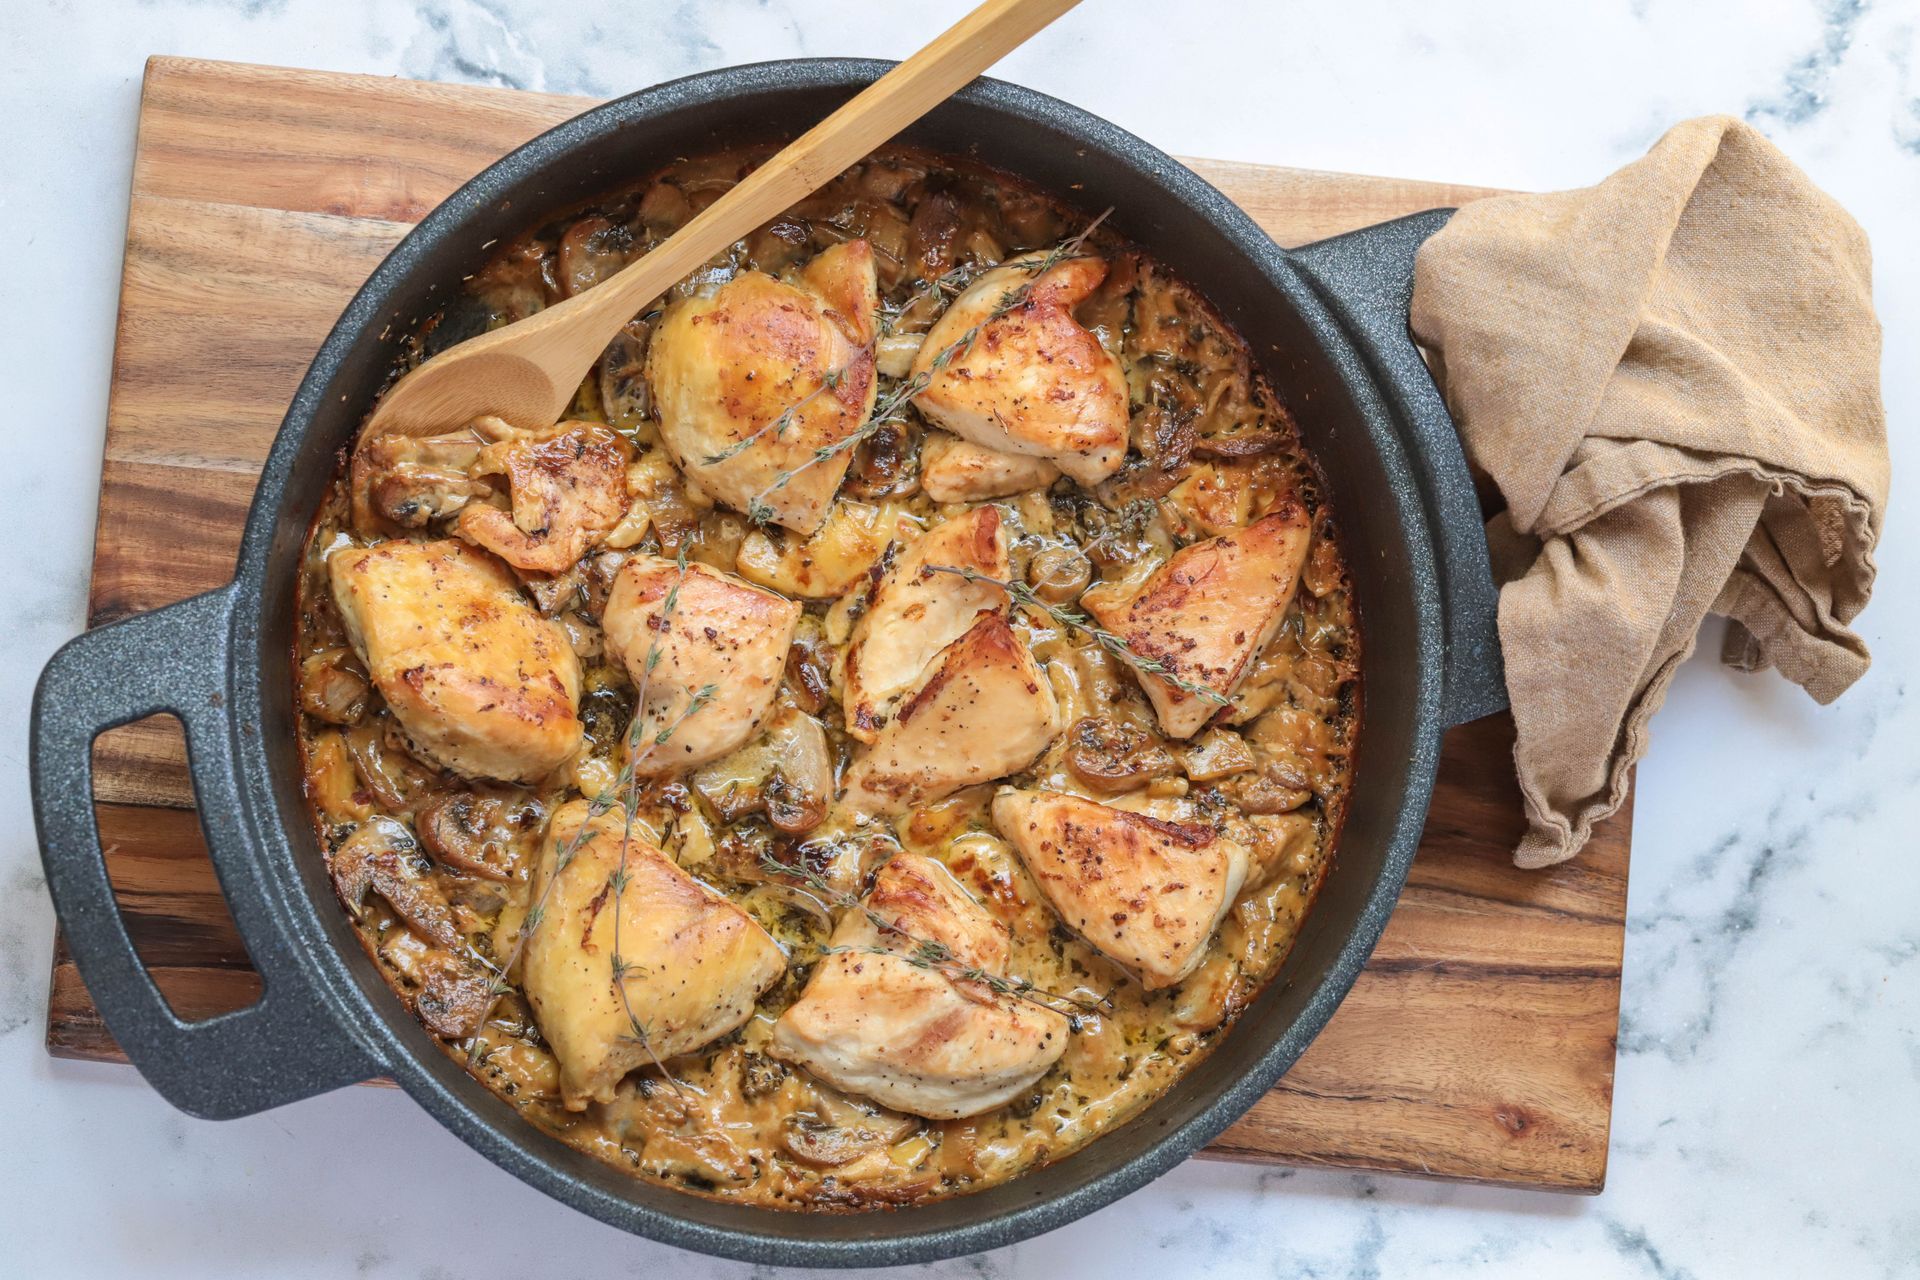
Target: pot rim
519	1148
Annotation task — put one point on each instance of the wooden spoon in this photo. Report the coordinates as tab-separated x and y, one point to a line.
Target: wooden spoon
527	372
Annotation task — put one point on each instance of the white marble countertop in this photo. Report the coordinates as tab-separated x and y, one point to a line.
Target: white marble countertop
1767	1108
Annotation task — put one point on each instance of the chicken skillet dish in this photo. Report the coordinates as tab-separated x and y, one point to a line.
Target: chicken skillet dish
881	739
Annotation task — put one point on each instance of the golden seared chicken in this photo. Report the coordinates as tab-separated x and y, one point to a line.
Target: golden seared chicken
1208	611
1034	381
916	1036
568	489
917	612
728	365
983	710
956	470
480	682
1147	893
723	634
694	963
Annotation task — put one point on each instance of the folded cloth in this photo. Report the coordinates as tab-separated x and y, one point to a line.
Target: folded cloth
1673	380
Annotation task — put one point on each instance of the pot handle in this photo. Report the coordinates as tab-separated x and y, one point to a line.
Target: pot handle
280	1049
1365	277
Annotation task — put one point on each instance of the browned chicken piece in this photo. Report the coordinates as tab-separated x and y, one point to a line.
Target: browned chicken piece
481	683
694	963
956	470
1034	381
728	365
917	612
724	634
915	1034
1146	893
983	710
568	487
407	482
1208	611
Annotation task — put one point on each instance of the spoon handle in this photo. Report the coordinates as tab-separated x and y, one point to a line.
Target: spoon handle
879	112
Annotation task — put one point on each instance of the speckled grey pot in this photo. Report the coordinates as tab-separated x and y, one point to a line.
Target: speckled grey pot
1329	324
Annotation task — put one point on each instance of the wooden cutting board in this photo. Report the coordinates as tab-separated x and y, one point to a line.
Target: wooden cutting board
1478	1044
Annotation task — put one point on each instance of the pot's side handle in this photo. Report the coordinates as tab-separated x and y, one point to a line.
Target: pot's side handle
278	1050
1366	278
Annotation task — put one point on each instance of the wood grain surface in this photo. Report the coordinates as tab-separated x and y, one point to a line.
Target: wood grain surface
1478	1044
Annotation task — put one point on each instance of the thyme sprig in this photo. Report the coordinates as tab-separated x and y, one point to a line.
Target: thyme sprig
930	953
1024	596
623	790
892	406
617	882
829	381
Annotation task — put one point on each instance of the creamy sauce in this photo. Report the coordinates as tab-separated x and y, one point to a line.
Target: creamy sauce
1212	450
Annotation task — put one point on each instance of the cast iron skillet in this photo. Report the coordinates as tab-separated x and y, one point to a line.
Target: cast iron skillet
1329	324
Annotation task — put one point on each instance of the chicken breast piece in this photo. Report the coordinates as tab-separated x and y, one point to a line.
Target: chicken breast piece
1034	381
956	470
983	710
725	366
1146	893
908	1035
1208	612
568	489
480	682
693	962
723	632
917	612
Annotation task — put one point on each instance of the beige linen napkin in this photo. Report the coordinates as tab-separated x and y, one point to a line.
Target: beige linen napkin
1673	380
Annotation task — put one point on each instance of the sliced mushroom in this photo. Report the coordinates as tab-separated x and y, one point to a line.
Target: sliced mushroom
382	856
743	856
384	761
884	465
333	686
591	250
1248	443
1278	786
623	374
485	831
1282	843
1059	574
1206	996
453	996
708	1157
657	486
1215	497
810	668
786	773
411	481
1111	756
664	207
842	1139
1215	754
761	1076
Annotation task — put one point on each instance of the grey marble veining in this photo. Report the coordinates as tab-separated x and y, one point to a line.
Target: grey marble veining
1767	1115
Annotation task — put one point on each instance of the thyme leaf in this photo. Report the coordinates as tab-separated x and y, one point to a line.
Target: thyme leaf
930	953
1024	596
625	791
